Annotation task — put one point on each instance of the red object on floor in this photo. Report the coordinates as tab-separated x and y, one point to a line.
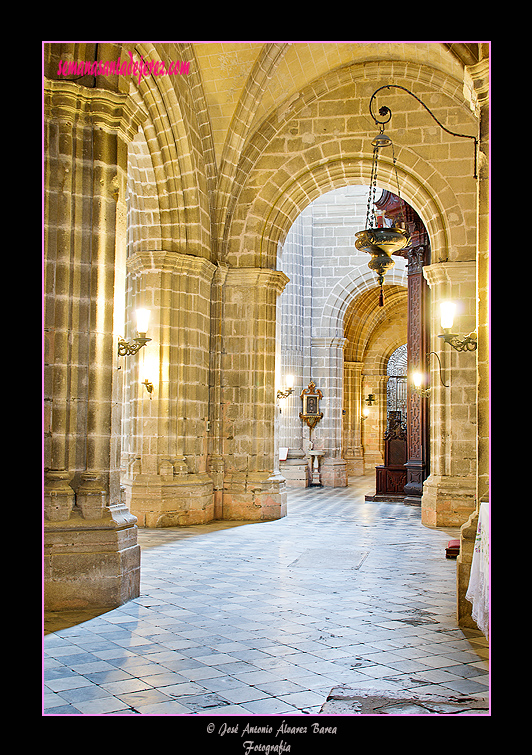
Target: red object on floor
453	549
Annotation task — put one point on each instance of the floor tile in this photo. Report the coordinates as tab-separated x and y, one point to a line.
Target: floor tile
243	694
302	699
102	706
279	687
270	706
144	697
166	708
226	624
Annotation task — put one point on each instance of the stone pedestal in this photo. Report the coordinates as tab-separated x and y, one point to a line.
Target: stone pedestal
315	477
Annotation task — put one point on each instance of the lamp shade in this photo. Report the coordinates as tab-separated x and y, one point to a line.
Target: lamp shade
289	381
447	310
143	318
417	379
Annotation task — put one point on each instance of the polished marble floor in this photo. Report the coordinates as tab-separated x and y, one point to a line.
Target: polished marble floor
240	619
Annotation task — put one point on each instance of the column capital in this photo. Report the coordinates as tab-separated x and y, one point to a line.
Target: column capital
449	272
111	111
353	366
329	342
175	262
257	277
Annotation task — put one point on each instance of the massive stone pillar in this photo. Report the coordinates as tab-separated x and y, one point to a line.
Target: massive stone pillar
91	552
478	76
449	491
253	487
166	477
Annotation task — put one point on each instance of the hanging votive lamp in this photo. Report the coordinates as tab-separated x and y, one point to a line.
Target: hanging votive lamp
381	243
377	239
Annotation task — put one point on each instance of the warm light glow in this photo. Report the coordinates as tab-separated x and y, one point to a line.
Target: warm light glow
365	411
417	379
289	381
143	318
447	310
149	367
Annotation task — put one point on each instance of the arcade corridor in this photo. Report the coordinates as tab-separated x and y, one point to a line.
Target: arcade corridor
239	619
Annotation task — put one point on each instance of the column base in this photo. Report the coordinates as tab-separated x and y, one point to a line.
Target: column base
447	501
463	569
255	497
355	466
91	563
333	473
170	501
295	469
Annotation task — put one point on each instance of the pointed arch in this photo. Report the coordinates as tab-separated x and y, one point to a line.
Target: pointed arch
177	163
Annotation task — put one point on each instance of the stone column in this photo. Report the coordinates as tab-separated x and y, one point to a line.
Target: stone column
374	424
328	374
167	485
479	79
449	491
253	488
215	461
91	552
352	444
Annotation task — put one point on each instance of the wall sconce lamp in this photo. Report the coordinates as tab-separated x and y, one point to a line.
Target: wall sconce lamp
289	387
149	386
365	413
418	379
127	349
370	399
459	343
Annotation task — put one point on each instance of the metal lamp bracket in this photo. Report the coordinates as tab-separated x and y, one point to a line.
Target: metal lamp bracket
386	114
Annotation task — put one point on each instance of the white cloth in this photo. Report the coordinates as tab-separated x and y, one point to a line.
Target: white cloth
478	591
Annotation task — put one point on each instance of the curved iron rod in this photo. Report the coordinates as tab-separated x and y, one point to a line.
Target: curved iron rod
439	360
384	110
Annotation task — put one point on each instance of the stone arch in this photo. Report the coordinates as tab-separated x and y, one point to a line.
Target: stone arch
267	62
178	170
296	195
347	291
259	218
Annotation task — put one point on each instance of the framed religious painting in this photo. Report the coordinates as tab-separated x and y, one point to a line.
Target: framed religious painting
311	398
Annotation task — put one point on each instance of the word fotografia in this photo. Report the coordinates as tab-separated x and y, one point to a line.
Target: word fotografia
278	749
126	67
